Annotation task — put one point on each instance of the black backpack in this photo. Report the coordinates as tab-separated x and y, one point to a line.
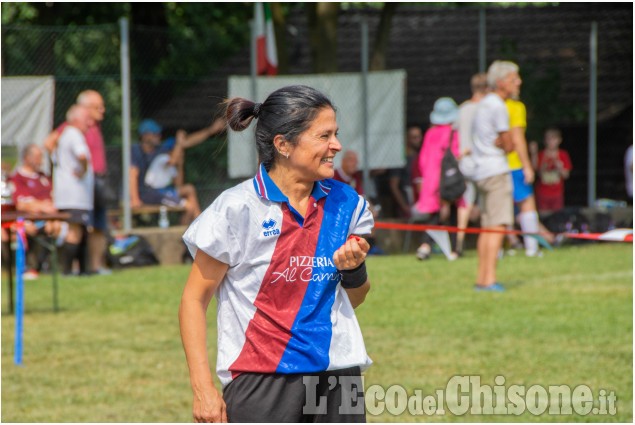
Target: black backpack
130	251
452	185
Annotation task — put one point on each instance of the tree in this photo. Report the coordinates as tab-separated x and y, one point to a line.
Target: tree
378	56
322	20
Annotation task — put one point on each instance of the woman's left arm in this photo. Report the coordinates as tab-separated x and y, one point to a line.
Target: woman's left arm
358	295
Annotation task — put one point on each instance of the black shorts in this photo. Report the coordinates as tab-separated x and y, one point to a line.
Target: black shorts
333	396
168	196
83	217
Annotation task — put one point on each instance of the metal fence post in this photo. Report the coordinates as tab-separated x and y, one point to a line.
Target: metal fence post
125	122
366	171
593	66
482	41
253	58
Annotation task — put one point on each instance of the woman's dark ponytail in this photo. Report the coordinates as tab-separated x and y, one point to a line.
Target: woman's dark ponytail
240	112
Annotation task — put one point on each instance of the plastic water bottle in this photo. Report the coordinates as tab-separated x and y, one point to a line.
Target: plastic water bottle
164	222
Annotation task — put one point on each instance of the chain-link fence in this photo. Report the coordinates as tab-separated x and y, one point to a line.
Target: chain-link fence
88	57
79	58
179	80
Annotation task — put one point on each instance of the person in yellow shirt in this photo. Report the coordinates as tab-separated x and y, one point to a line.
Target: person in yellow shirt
522	175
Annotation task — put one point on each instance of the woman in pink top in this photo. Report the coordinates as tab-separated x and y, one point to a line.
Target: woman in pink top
429	206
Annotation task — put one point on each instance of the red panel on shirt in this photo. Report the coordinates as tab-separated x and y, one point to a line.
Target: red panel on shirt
281	295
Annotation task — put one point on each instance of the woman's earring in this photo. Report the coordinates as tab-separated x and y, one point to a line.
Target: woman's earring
287	155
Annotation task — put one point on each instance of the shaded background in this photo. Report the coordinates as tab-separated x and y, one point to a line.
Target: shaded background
183	53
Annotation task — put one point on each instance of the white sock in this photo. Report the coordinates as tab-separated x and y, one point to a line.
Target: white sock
61	237
529	224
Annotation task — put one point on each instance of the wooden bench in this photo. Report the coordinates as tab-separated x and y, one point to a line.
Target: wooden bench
143	213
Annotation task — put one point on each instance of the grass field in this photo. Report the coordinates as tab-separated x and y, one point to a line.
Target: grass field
113	353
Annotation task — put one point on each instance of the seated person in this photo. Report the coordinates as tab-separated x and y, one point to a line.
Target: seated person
32	194
156	176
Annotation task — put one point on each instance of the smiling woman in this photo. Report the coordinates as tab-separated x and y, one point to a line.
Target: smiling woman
288	329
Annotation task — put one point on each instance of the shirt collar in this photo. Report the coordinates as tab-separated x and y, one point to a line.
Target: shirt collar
267	189
25	173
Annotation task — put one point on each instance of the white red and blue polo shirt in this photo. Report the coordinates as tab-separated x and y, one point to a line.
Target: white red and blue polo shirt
281	308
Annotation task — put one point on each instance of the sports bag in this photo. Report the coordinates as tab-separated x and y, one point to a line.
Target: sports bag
130	251
452	184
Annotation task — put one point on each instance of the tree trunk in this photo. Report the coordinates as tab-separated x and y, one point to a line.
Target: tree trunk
378	57
322	20
280	24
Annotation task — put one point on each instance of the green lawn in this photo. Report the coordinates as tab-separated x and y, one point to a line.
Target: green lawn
113	353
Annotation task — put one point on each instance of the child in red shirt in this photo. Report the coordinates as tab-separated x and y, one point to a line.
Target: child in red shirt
553	168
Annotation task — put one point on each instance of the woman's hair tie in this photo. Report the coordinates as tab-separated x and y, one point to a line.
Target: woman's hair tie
257	109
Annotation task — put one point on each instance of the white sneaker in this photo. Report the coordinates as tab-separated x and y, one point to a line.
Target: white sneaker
423	252
534	254
30	275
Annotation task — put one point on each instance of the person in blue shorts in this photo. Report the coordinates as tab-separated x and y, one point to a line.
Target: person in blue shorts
523	175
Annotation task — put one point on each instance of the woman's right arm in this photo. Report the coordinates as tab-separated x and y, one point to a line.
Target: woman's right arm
50	143
206	274
133	185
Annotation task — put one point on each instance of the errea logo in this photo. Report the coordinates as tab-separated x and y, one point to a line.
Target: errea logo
269	226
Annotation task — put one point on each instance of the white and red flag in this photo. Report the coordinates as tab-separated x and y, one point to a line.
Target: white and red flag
267	56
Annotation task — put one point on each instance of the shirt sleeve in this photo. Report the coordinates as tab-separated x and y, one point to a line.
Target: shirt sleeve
79	146
135	156
362	222
517	113
423	153
61	127
501	118
19	193
455	144
212	233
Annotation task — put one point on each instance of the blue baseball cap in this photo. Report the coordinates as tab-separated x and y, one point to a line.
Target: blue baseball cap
149	126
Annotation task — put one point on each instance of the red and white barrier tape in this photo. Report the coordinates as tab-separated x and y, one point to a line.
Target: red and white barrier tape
616	235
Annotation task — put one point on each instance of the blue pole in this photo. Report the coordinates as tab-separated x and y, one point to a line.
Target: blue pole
19	296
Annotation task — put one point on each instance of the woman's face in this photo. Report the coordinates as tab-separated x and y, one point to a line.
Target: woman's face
313	155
